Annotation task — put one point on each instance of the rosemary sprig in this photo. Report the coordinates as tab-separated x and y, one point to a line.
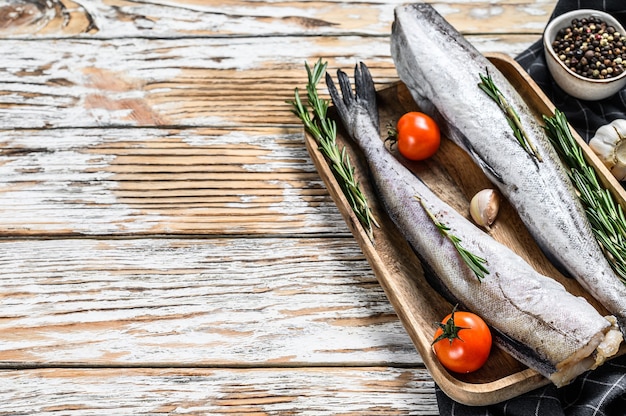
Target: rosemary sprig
492	90
474	262
324	131
605	215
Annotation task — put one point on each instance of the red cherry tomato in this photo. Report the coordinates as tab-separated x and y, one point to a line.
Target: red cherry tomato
418	136
463	342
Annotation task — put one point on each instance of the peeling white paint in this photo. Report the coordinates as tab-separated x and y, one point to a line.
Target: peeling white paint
151	299
486	13
313	391
65	181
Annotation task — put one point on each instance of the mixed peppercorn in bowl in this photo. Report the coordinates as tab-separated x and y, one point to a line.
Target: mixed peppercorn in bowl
586	53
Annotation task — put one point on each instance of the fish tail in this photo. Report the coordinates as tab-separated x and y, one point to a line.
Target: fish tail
351	105
366	91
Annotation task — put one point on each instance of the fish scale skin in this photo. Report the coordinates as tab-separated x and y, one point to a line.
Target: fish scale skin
441	70
514	299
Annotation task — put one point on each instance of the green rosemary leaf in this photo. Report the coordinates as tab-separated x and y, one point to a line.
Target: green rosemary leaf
324	131
475	263
490	88
605	215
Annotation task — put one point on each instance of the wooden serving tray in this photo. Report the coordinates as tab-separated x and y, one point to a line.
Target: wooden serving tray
455	178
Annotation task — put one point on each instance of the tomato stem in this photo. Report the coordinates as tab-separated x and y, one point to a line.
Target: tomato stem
450	329
392	134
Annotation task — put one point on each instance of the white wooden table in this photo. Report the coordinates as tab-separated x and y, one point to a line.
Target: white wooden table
167	245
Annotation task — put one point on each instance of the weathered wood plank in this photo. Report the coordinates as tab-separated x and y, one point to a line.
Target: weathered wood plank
180	82
319	391
162	181
194	302
116	18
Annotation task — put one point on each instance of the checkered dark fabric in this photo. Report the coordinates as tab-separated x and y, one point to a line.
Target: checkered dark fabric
601	392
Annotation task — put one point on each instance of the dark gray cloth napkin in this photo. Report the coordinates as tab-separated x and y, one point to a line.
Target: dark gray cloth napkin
601	392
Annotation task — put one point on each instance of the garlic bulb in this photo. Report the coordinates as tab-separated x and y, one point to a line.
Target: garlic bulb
609	143
484	207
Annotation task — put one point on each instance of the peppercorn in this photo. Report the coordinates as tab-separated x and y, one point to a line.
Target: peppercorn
591	48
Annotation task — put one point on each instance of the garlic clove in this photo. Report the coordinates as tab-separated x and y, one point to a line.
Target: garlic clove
619	170
484	207
609	144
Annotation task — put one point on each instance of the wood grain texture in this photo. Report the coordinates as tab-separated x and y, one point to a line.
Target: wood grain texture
192	18
261	391
194	302
161	181
178	82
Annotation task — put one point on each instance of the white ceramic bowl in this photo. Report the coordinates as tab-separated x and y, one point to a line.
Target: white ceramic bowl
572	83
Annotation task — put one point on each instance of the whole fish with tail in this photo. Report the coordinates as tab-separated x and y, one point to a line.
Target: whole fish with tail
442	71
532	316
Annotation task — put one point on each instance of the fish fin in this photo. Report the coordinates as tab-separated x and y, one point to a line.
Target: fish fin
348	103
523	353
483	164
346	88
366	92
340	105
486	168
